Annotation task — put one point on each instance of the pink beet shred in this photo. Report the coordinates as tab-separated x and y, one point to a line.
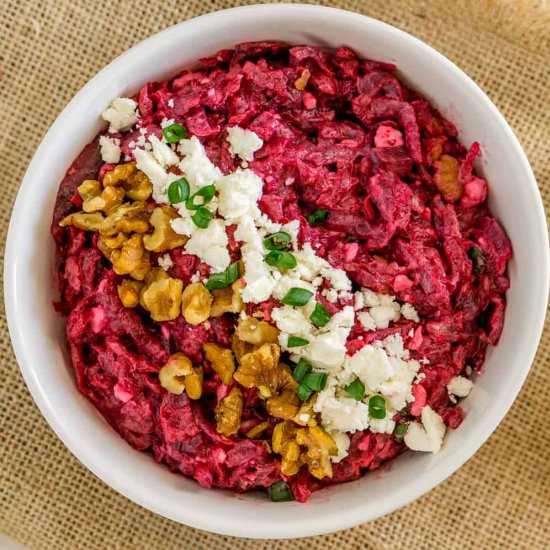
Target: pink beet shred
355	142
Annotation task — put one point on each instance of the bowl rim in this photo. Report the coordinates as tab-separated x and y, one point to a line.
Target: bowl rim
343	519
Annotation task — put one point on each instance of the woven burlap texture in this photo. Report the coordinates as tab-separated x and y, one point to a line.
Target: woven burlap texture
48	500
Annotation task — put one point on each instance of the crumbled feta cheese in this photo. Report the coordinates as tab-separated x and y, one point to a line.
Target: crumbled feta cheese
110	149
239	193
243	143
342	442
210	245
337	278
286	282
121	114
370	298
292	321
304	417
259	282
158	176
383	315
383	425
196	277
367	322
170	103
165	262
428	435
409	312
341	414
162	152
196	165
359	301
165	122
183	225
460	386
385	374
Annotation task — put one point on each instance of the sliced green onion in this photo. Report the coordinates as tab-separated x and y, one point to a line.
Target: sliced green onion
205	193
302	368
377	407
277	241
178	191
320	316
317	217
202	217
304	392
356	389
400	431
278	258
174	133
315	381
233	272
297	297
279	492
217	281
478	259
296	342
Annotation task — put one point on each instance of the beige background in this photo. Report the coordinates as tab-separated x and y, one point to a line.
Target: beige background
500	499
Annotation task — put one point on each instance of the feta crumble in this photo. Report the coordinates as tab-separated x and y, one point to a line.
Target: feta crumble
210	245
460	386
243	143
122	114
110	149
428	435
165	262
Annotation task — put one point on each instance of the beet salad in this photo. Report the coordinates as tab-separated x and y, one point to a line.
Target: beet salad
278	269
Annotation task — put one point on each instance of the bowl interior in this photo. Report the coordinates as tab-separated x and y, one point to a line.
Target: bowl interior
30	278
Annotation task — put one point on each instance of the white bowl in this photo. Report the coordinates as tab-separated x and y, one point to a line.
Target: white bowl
38	335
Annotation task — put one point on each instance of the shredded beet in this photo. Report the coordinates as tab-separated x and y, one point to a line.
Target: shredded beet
403	219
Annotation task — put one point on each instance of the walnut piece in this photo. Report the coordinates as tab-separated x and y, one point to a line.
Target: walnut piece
221	360
106	201
283	406
131	259
297	446
162	299
258	430
172	375
228	413
301	82
128	218
195	303
240	348
128	292
260	369
227	300
87	221
193	383
320	447
134	182
256	332
163	237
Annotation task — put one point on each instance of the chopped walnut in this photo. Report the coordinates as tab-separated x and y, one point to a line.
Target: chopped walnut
305	415
128	292
221	360
89	189
106	201
163	237
228	413
127	217
260	369
162	299
240	348
320	447
87	221
301	82
108	244
283	443
134	182
131	258
257	431
257	332
311	446
283	406
227	300
195	303
193	383
172	375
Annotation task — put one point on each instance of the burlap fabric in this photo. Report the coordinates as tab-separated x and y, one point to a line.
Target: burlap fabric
48	500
